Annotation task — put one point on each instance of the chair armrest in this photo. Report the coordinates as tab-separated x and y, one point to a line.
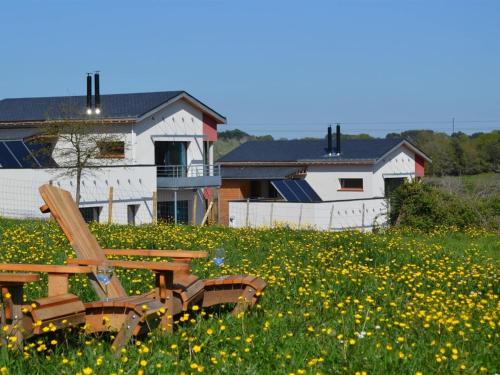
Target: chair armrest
158	253
153	266
46	268
18	278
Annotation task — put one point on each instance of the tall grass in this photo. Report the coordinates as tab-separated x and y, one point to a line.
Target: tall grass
398	301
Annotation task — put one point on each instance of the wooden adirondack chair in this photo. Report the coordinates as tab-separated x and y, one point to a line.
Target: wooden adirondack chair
20	320
176	287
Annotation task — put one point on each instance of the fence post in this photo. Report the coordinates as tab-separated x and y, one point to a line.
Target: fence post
271	216
300	215
195	208
363	218
155	207
331	218
248	212
110	205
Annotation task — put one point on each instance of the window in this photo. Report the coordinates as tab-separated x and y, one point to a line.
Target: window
391	184
90	213
111	149
131	213
166	211
255	190
351	184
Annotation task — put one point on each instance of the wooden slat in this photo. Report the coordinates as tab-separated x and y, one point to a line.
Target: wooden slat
192	291
154	266
184	280
69	218
157	253
62	309
56	300
18	277
44	268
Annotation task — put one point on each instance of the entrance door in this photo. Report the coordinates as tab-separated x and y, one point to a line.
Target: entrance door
171	158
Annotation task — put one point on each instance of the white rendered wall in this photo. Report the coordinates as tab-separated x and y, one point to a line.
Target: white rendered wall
399	163
108	132
322	216
178	122
324	179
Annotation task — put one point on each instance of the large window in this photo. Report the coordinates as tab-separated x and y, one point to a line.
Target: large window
90	213
171	159
166	211
351	184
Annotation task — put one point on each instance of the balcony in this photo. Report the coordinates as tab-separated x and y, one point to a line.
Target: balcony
188	177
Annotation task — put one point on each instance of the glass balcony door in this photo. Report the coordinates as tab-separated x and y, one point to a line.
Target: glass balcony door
171	158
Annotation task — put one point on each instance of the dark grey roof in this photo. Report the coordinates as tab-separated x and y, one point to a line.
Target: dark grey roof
257	173
116	106
303	150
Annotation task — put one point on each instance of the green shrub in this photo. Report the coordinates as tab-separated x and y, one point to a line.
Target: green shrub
422	206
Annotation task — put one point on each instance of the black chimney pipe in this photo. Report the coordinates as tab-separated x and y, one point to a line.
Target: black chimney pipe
97	94
89	93
338	139
329	150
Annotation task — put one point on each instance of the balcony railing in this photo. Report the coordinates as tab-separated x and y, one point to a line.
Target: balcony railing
188	176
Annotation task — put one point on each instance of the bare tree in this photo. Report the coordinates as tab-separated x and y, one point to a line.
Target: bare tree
79	146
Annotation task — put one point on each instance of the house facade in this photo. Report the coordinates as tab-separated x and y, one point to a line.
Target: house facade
154	157
358	170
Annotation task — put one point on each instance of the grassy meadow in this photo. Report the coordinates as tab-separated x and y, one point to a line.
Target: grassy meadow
398	301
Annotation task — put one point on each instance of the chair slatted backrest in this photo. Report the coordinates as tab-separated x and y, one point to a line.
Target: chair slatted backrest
65	211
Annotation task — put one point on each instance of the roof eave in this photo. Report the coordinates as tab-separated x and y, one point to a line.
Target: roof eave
411	146
192	100
94	121
303	162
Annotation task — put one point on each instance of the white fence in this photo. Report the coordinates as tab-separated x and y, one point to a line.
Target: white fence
129	193
362	214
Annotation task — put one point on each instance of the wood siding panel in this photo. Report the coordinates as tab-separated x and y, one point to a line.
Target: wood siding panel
231	190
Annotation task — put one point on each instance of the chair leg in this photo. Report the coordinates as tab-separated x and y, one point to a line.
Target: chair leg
245	300
126	332
167	320
16	315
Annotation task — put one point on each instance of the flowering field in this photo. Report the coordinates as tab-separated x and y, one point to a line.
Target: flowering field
393	302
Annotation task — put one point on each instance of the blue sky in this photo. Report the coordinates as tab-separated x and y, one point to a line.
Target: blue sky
287	68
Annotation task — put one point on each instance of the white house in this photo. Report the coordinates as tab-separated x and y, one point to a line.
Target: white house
310	181
161	151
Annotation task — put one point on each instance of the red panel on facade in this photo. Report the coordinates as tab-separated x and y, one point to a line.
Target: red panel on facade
209	128
419	166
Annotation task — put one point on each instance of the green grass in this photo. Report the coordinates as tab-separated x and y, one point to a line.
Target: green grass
398	301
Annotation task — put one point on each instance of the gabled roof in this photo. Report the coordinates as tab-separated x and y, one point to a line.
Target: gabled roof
305	151
114	106
263	173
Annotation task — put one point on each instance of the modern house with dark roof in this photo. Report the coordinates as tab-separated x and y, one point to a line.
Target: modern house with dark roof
309	171
160	163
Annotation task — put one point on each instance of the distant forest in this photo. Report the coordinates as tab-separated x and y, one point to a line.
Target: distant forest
452	155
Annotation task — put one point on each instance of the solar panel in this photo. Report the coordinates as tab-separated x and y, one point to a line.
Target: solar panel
41	151
308	190
296	191
21	153
286	192
7	160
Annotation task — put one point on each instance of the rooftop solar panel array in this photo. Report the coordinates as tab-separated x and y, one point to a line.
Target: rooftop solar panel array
15	154
296	191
